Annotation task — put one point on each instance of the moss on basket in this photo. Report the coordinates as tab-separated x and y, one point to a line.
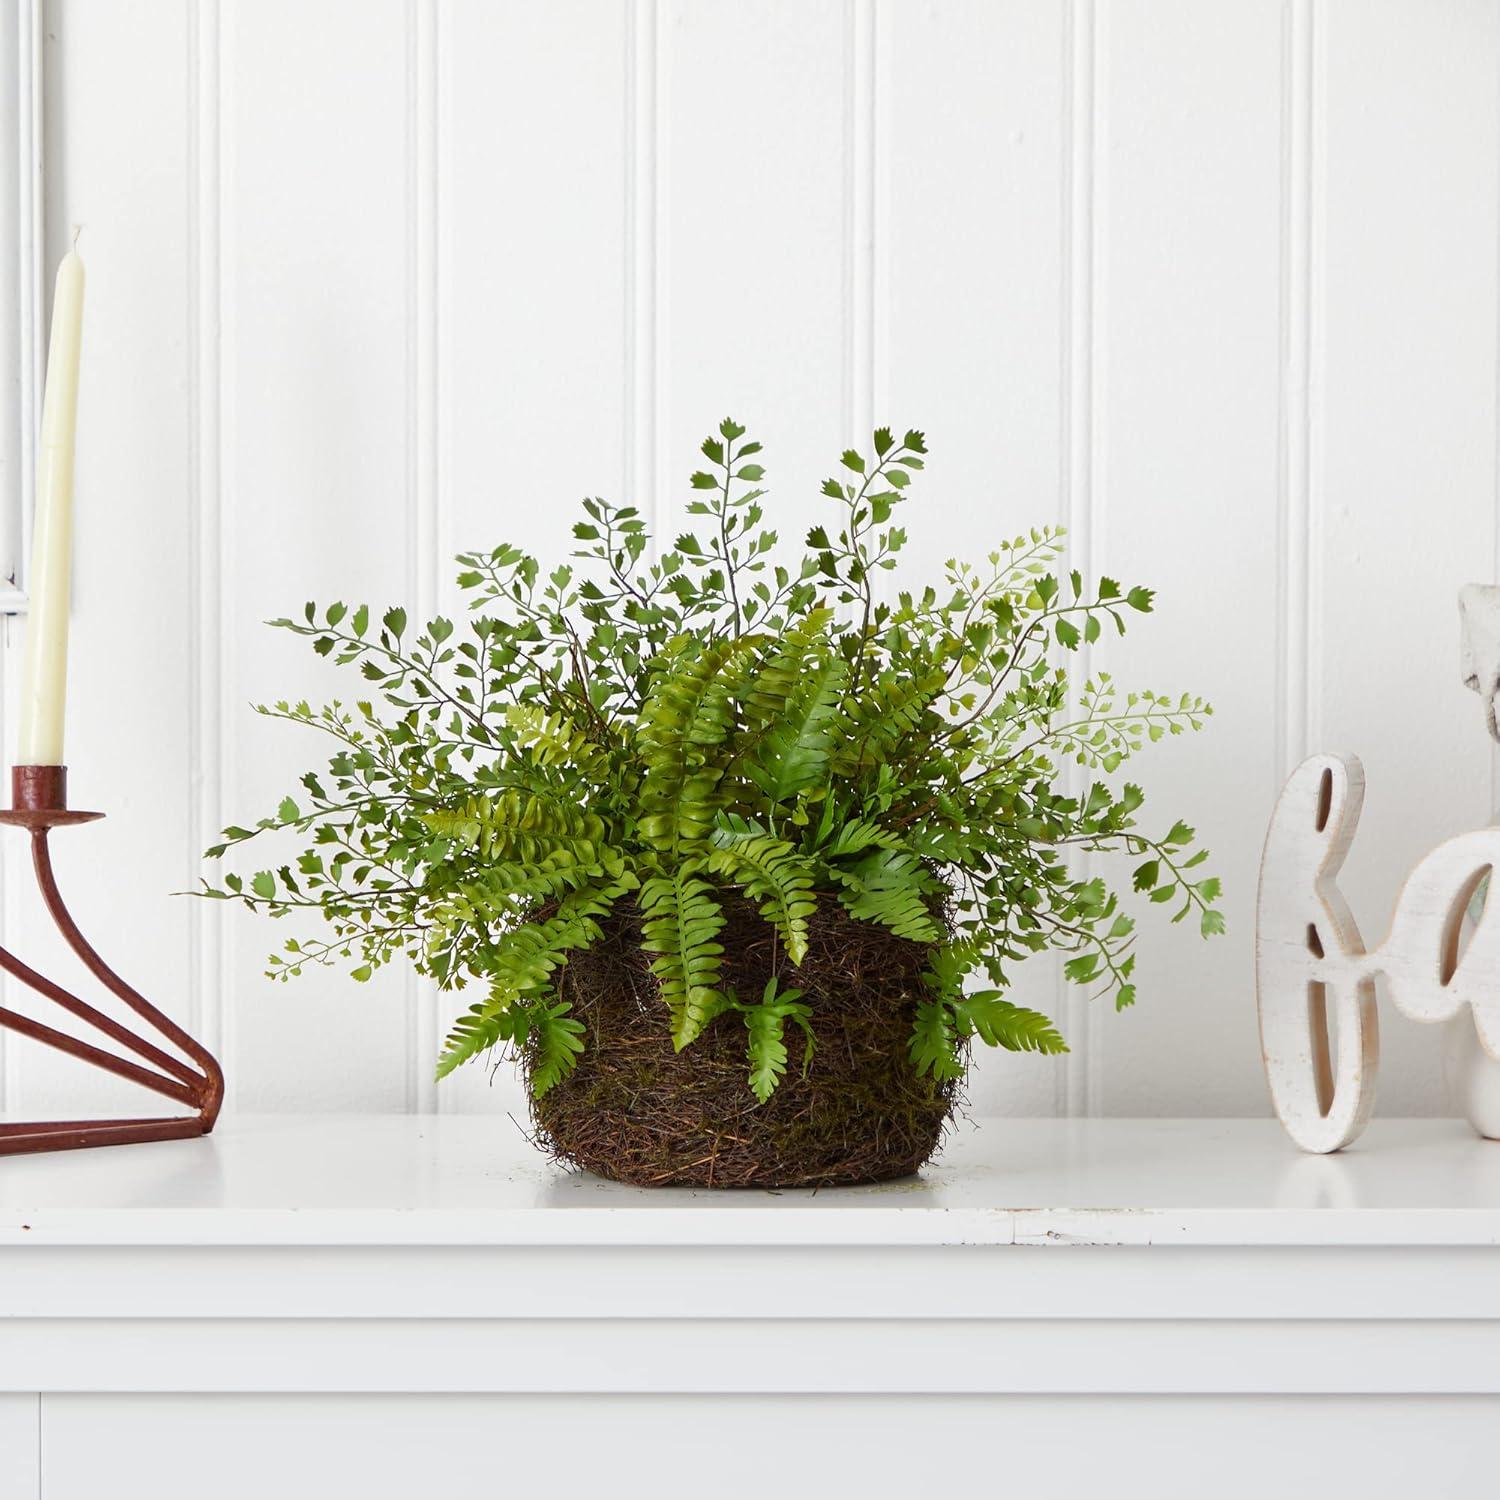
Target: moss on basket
635	1110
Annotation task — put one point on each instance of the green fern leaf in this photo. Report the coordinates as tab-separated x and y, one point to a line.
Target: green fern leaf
680	920
553	740
687	713
774	874
889	887
767	1049
524	828
525	959
506	888
998	1023
558	1040
520	966
766	1025
857	835
934	1042
779	675
885	712
481	1028
792	754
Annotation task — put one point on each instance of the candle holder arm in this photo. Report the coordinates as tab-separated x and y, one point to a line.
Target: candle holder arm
195	1080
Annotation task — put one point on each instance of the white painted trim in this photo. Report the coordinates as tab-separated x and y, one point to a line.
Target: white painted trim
1079	1078
859	221
21	262
1495	510
422	282
21	1446
1374	1355
225	699
1294	498
1317	357
645	251
942	1283
387	1253
21	267
341	1182
206	636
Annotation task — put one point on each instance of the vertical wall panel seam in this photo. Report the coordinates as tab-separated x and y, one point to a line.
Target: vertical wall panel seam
1314	333
1094	520
879	266
1294	576
226	578
849	216
411	984
28	353
859	215
661	248
643	416
421	489
627	261
442	293
1493	806
206	656
867	245
1061	1078
31	223
1078	1078
196	820
878	306
443	543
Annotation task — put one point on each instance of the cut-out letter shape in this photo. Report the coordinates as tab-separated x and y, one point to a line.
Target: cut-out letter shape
1315	979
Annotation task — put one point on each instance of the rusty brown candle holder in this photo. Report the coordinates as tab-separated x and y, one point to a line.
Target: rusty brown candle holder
39	803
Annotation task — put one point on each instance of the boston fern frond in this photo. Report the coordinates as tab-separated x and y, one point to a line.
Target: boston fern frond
998	1023
522	828
640	738
681	920
780	674
766	1025
892	888
558	1040
772	872
521	961
519	968
475	1032
934	1040
791	753
687	711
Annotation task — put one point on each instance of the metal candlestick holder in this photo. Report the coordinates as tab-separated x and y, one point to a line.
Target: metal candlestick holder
39	803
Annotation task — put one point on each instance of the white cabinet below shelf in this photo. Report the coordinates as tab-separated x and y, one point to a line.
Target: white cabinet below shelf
378	1304
179	1447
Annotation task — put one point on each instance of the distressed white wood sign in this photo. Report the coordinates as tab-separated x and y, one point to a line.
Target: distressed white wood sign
1315	978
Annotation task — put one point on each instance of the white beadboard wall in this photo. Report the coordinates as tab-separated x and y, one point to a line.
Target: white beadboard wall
373	280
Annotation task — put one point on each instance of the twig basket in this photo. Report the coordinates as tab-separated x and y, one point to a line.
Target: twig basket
637	1111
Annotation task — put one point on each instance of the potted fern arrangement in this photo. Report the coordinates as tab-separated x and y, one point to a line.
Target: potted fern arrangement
737	856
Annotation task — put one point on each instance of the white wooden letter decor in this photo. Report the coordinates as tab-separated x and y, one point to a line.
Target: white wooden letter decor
1315	979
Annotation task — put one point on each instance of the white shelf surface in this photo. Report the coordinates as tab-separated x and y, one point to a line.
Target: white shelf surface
475	1181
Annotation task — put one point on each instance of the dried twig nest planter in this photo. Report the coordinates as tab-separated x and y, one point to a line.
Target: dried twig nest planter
636	1111
699	725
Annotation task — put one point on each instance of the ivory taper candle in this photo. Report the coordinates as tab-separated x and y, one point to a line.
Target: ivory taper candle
44	683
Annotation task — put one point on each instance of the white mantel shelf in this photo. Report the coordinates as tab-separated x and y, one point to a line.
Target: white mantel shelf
338	1180
365	1293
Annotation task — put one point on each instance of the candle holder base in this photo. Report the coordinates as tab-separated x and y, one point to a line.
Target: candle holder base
39	803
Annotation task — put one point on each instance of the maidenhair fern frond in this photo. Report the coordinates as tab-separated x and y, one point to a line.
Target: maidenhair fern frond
613	748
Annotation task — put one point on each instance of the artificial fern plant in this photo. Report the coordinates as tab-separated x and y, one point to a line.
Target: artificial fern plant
667	729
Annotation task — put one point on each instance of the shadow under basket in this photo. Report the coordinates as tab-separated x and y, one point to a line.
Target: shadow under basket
636	1111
